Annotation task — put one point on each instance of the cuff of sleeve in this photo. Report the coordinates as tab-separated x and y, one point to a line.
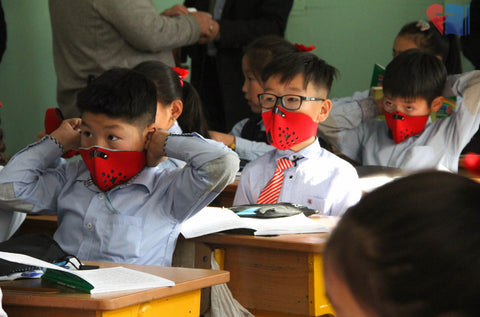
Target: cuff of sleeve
196	26
47	147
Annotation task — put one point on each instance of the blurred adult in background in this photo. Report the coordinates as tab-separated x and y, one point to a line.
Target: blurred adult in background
217	66
471	42
3	32
471	50
92	36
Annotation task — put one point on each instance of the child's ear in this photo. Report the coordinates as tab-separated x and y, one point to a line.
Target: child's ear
326	106
148	132
436	104
176	108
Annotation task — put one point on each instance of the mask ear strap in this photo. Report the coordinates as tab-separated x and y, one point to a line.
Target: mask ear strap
278	111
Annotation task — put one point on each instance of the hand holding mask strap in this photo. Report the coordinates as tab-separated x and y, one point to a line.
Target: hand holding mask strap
110	168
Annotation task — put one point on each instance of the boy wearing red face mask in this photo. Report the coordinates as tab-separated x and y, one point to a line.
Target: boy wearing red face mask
117	205
299	170
407	139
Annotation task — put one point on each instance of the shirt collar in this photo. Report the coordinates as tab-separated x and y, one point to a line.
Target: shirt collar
308	152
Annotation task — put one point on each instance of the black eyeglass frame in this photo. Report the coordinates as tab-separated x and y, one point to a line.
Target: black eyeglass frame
302	98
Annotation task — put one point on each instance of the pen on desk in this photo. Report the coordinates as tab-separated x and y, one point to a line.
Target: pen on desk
31	274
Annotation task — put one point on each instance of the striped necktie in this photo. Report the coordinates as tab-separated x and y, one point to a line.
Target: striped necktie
270	193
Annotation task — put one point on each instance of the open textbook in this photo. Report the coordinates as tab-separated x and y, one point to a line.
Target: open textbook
216	219
92	281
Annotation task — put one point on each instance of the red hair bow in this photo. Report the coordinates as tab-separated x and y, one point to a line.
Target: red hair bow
303	48
471	163
181	72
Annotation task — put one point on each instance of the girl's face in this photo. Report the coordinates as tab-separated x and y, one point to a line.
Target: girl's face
251	87
403	43
163	119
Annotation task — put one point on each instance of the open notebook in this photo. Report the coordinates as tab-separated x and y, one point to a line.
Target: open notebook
216	219
92	281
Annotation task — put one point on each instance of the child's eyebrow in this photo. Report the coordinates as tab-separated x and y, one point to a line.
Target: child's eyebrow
292	89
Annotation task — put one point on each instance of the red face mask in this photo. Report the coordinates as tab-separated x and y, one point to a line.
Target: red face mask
110	168
403	126
285	129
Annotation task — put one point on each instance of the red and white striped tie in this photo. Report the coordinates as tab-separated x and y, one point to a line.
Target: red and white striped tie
270	193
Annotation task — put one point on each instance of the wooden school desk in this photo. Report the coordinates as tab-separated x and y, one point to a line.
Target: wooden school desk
31	298
274	276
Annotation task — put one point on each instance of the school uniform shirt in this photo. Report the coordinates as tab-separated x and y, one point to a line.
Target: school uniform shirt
438	146
319	180
248	149
136	222
171	162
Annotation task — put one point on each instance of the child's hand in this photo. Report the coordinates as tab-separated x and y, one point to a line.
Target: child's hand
40	135
156	147
68	134
226	139
379	102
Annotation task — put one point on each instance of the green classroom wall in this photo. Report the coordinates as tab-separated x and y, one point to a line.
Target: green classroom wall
350	35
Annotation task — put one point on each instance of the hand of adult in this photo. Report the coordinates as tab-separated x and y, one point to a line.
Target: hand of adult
214	31
176	10
205	22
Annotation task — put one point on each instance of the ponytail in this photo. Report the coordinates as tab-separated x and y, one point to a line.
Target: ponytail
192	118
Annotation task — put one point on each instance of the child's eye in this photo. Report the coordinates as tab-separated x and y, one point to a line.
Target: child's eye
86	133
112	138
388	105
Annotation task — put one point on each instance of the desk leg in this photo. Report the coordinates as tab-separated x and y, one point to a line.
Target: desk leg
186	304
318	304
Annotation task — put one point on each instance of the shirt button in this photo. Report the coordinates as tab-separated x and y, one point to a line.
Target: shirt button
89	226
100	196
290	177
294	157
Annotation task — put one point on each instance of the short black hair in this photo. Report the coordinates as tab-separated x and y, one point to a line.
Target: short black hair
413	74
410	247
264	49
120	93
288	66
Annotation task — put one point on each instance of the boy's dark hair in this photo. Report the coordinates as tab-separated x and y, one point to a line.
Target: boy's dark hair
429	40
120	93
264	49
402	252
315	70
413	74
169	88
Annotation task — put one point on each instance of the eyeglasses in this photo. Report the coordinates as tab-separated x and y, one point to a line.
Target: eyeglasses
289	102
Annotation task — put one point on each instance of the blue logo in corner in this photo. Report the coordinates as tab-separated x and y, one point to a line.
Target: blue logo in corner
455	19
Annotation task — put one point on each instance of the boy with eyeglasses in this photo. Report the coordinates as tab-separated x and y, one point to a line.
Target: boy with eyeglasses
299	170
